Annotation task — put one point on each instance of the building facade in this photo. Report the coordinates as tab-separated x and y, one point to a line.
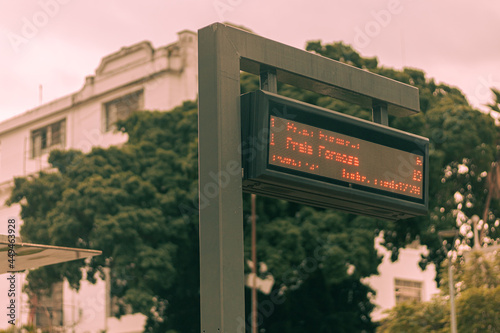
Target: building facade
402	280
138	77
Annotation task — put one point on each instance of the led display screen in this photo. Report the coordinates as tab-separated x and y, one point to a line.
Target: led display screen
307	154
331	155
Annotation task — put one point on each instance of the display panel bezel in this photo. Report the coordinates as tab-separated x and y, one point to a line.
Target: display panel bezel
258	106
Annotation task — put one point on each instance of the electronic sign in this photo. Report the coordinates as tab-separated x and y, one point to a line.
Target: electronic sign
299	152
337	156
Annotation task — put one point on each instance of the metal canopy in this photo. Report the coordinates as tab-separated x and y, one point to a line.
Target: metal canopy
223	52
29	256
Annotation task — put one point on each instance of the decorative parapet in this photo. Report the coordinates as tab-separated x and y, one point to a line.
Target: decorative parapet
131	64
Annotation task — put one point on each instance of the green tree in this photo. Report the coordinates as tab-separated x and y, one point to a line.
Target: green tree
317	259
474	270
463	144
124	201
477	283
477	310
414	317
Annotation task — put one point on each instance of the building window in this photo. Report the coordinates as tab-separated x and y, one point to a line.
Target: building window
407	290
48	309
121	108
48	137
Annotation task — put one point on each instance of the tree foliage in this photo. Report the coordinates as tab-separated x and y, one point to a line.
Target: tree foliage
124	201
414	317
463	144
477	283
317	259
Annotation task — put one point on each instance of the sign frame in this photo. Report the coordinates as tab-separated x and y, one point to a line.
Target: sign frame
224	51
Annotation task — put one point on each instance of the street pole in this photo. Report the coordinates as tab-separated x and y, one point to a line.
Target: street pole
254	268
450	234
475	220
451	285
222	277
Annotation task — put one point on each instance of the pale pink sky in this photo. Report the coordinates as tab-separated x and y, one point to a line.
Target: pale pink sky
453	41
57	43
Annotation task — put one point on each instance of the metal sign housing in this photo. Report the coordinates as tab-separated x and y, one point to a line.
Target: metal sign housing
315	156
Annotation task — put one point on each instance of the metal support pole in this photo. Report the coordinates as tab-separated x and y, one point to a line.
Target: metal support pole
380	115
268	80
451	234
451	285
254	268
222	296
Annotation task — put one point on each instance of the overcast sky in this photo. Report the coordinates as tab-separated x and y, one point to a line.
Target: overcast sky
56	43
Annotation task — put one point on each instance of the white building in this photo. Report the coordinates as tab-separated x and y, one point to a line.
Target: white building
135	77
402	280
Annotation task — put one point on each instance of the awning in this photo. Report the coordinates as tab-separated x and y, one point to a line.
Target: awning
28	256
